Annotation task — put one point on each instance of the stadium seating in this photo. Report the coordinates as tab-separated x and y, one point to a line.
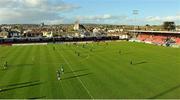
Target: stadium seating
157	39
178	40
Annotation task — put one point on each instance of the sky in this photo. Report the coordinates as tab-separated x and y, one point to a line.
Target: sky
153	12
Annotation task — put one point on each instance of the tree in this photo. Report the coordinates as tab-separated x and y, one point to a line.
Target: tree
170	26
147	25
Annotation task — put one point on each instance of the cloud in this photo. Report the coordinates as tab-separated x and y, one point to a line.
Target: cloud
100	17
160	19
153	20
106	18
123	19
51	12
33	11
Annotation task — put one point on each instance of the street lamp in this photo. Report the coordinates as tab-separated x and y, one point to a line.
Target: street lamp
135	13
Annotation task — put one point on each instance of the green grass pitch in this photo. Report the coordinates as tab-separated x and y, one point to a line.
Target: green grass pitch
104	72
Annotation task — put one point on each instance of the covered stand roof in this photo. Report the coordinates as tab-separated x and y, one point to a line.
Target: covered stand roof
155	32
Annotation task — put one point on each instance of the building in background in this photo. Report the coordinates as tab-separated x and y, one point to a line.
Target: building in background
76	26
14	33
4	34
47	33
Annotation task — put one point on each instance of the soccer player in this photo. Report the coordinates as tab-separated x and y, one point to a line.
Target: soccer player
54	48
78	54
131	62
58	75
62	69
32	59
91	49
6	65
106	43
119	51
83	46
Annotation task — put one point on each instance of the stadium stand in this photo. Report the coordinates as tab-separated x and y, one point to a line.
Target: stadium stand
177	40
158	37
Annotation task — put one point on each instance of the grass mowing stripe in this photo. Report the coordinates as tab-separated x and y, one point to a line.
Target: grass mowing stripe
5	73
46	73
37	70
71	86
34	75
50	77
110	61
105	56
115	66
5	54
118	77
12	72
10	59
96	65
112	76
23	70
48	67
94	71
20	69
44	88
105	62
76	75
57	91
